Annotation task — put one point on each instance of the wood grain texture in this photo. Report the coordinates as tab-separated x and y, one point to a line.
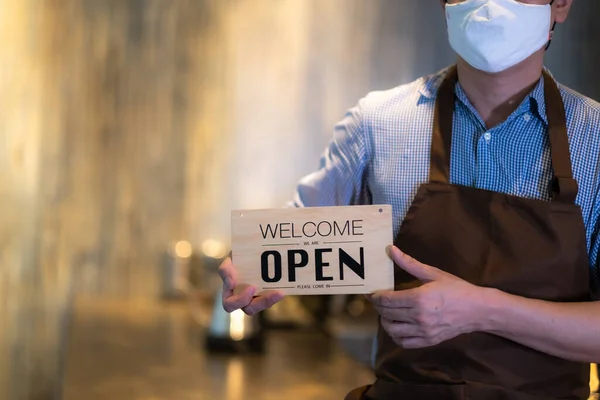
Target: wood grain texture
310	251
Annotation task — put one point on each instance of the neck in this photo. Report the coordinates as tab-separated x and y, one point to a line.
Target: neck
496	96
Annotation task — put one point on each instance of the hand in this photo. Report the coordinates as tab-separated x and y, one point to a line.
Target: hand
444	307
244	300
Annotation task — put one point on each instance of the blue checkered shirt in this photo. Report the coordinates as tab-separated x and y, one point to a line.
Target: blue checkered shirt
380	153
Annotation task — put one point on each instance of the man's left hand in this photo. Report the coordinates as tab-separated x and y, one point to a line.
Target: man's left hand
444	307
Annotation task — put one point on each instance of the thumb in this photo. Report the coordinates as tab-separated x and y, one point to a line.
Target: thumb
417	269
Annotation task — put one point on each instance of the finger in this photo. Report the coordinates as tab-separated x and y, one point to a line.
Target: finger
394	299
417	342
401	330
236	301
396	314
228	275
262	302
417	269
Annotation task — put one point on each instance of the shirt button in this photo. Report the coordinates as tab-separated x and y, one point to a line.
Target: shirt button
526	117
487	136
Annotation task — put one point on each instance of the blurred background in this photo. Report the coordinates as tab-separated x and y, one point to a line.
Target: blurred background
128	131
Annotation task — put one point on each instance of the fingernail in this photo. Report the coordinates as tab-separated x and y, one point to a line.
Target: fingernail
388	250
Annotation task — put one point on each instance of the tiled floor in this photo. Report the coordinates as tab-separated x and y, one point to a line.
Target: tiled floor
154	352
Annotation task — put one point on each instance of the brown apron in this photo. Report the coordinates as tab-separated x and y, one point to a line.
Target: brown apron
526	247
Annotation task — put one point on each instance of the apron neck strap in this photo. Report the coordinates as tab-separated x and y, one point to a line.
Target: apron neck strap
563	186
443	122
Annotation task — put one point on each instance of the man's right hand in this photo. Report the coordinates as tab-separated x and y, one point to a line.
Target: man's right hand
246	301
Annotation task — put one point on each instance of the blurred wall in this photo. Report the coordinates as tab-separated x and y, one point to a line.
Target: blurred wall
34	278
127	124
574	55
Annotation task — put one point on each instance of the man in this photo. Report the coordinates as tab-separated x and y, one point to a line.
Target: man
493	172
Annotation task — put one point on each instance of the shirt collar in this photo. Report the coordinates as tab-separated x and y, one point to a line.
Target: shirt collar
432	83
534	102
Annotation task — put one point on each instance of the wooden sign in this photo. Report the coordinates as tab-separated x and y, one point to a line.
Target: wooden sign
316	250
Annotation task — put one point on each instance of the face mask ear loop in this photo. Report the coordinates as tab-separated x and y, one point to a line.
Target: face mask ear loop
551	31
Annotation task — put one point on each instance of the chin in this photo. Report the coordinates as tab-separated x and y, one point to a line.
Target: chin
534	61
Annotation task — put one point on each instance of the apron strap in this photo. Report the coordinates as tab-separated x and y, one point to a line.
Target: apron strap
443	118
563	186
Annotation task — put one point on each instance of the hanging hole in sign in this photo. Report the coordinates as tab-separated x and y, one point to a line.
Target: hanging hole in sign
381	210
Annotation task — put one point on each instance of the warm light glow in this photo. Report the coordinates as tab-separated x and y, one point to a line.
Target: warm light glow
356	308
594	384
214	248
235	381
236	325
183	249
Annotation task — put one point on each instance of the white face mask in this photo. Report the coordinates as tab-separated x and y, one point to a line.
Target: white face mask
494	35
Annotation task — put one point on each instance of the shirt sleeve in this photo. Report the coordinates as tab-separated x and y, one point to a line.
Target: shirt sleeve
341	178
594	252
